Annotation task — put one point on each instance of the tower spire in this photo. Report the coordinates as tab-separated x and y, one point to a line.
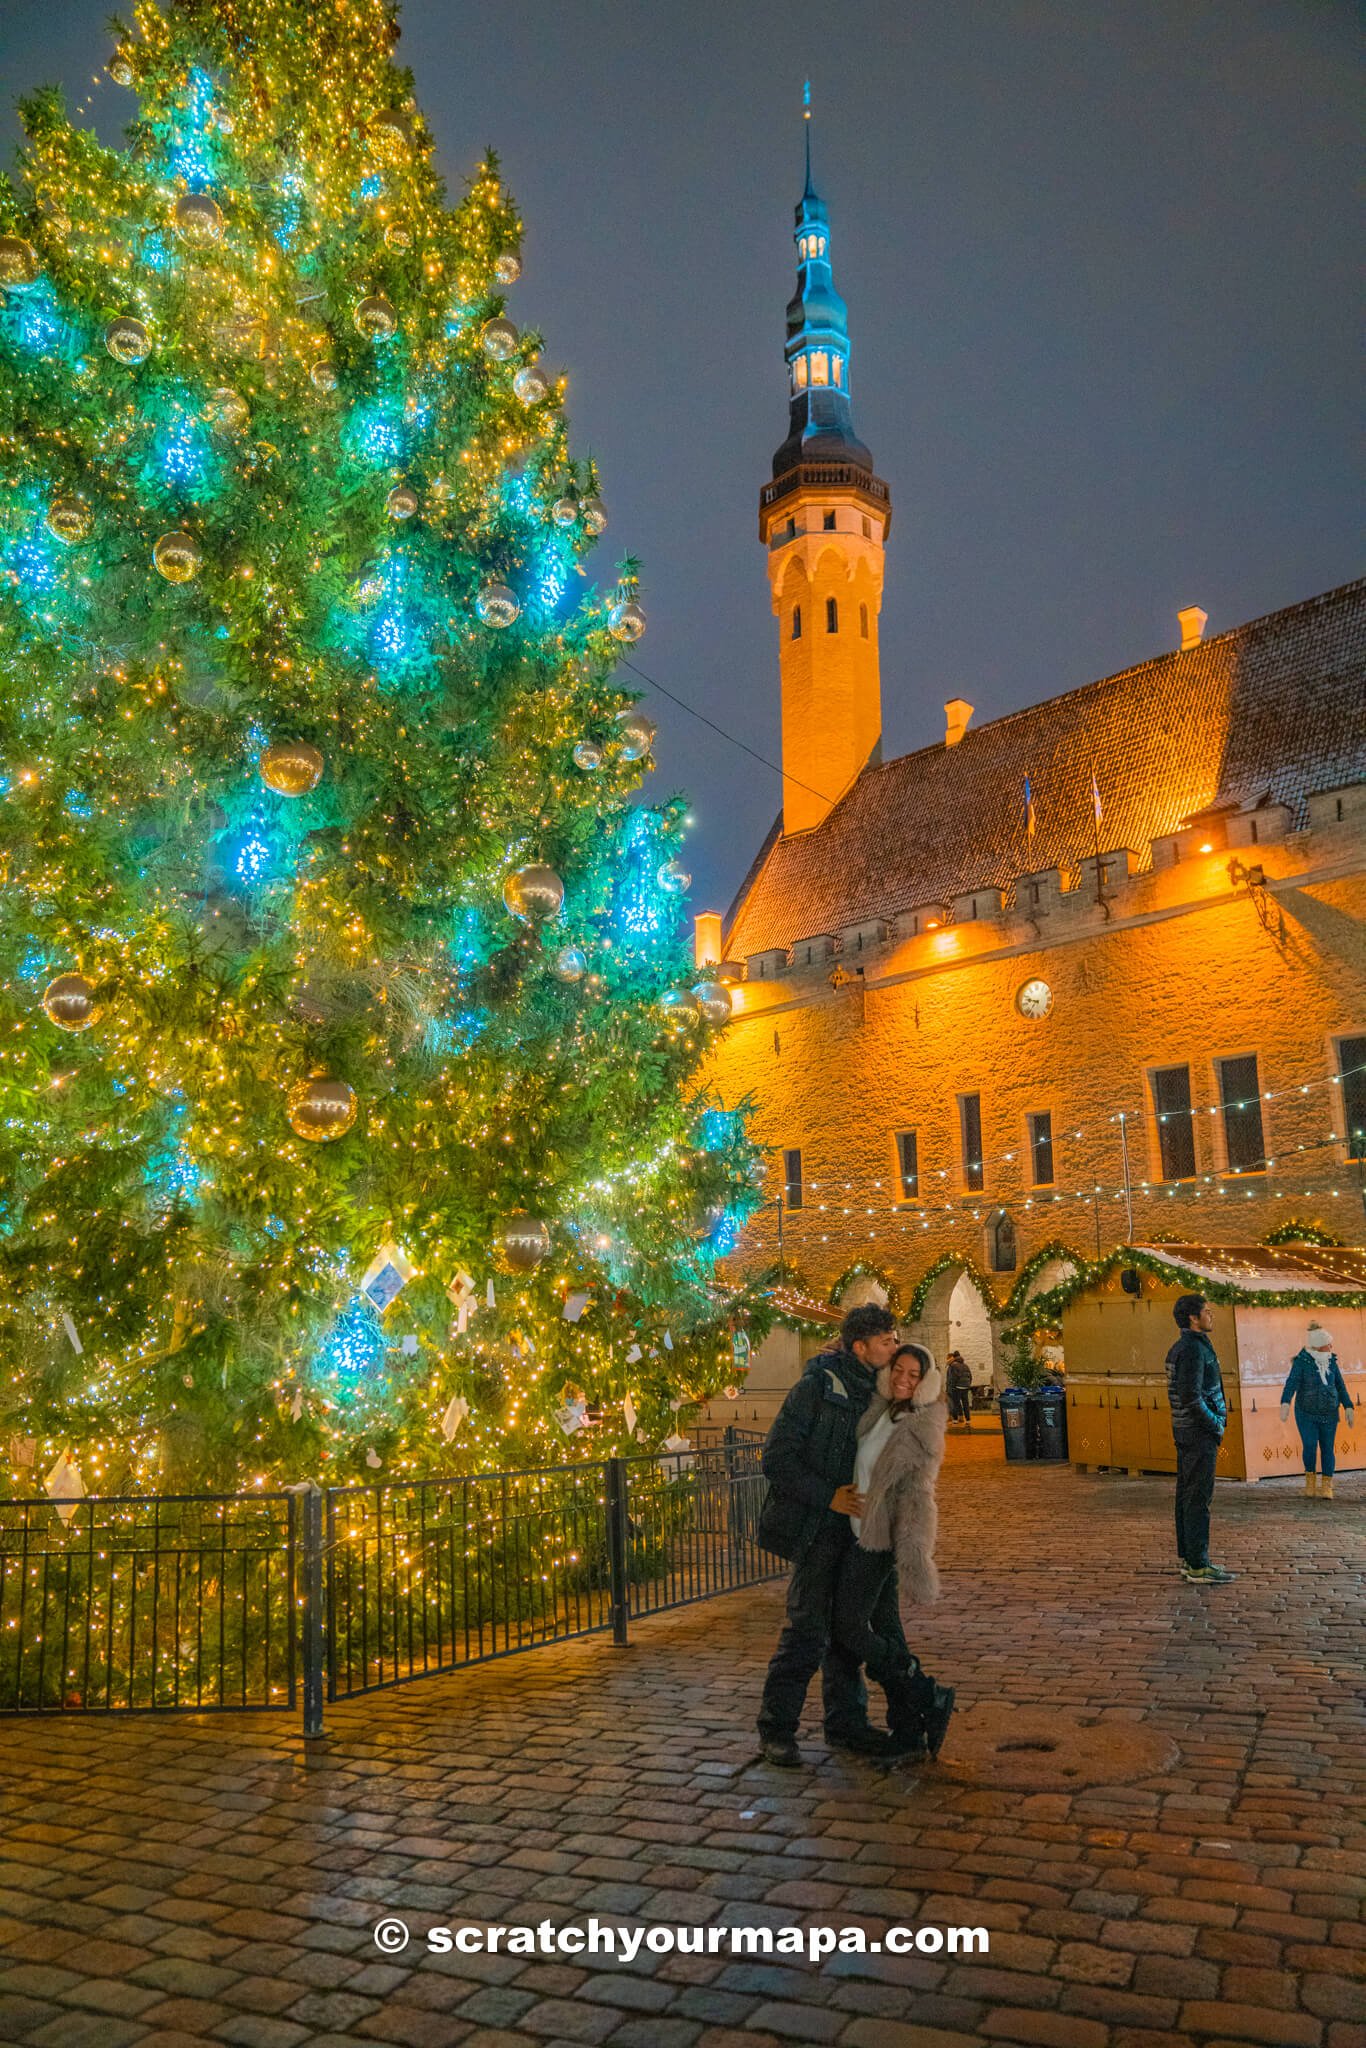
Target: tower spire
806	129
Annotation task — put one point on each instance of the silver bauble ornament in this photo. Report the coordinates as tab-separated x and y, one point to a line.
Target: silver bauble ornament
321	1109
70	1003
564	511
224	122
127	340
226	411
500	339
595	515
322	376
496	605
198	219
178	557
637	734
523	1242
530	386
534	893
120	68
291	767
626	622
375	319
508	267
401	502
68	520
570	964
588	756
19	265
713	1000
679	1008
673	878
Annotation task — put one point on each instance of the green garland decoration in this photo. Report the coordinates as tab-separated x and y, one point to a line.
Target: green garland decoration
1295	1232
1228	1294
1017	1302
866	1269
971	1271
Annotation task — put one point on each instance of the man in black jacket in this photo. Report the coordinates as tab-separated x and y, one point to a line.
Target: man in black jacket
809	1464
1195	1389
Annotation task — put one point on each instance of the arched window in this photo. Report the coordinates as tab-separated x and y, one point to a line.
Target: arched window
799	373
820	367
832	615
863	621
839	371
796	622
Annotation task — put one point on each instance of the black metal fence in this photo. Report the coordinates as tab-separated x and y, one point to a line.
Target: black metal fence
259	1601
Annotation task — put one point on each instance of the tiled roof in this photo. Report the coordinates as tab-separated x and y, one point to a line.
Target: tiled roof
1262	1269
1274	709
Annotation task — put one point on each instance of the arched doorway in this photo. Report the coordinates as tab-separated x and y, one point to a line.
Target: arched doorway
956	1318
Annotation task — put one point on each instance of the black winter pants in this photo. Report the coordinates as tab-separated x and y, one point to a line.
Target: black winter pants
807	1646
960	1404
868	1624
1194	1491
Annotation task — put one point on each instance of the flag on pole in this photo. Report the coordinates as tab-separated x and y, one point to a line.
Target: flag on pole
1095	797
1029	819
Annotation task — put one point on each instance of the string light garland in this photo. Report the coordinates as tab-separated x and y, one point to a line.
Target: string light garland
268	755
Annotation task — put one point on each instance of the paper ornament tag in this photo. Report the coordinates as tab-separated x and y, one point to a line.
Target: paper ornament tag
490	1298
373	1459
457	1408
668	1340
409	1347
678	1455
634	1355
296	1406
628	1415
73	1335
23	1450
65	1486
739	1349
461	1289
386	1276
573	1416
574	1306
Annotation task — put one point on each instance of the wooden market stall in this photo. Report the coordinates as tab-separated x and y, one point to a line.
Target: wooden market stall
1118	1329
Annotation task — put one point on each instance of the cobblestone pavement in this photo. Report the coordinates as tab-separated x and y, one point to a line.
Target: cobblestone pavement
166	1883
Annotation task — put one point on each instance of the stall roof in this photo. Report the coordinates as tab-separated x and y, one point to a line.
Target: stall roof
1269	1269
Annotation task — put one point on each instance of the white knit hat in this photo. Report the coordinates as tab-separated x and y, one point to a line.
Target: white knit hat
1319	1339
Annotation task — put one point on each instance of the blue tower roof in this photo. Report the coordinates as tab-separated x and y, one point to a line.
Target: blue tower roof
820	415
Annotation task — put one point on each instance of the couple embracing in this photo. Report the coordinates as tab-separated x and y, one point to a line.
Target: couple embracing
851	1463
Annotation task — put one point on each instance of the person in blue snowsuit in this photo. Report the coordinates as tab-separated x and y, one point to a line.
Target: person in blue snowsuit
1317	1388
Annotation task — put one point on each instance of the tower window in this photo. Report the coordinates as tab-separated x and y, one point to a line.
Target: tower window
790	530
1175	1122
970	1137
1241	1102
908	1164
867	527
863	621
1352	1080
792	1178
829	522
1041	1148
799	373
796	622
820	367
839	371
832	615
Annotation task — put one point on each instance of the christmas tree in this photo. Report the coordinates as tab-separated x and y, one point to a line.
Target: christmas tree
347	1112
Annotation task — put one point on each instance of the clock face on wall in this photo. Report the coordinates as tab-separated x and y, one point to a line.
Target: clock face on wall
1035	999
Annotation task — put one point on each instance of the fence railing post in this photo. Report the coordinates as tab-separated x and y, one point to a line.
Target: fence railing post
313	1619
617	1548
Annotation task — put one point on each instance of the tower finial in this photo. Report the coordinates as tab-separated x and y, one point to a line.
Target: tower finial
806	124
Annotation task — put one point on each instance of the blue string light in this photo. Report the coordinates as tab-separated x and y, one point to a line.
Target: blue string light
354	1344
376	436
192	154
78	804
642	909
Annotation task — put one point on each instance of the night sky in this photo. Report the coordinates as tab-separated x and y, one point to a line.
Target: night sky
1097	261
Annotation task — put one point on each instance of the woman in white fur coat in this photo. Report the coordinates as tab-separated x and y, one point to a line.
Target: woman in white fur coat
901	1447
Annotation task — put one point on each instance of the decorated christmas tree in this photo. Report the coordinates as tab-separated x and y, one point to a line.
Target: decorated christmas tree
347	1119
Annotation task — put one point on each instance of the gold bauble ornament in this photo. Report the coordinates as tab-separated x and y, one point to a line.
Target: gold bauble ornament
323	377
680	1008
198	220
127	340
570	964
178	557
68	520
398	235
637	734
497	606
120	68
226	411
391	133
375	319
595	515
401	502
564	511
19	265
500	339
321	1109
673	878
508	267
291	767
70	1003
626	622
530	386
523	1242
534	893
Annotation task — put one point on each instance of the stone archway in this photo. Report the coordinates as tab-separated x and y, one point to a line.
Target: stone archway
955	1317
863	1288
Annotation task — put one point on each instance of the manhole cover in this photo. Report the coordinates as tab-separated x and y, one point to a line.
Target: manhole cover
1040	1749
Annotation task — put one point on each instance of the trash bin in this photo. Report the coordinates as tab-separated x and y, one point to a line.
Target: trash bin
1014	1410
1046	1424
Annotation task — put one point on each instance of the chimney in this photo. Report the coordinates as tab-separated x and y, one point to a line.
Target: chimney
957	713
707	938
1192	624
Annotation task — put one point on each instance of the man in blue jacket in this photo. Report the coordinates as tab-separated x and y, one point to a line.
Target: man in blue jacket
809	1465
1195	1389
